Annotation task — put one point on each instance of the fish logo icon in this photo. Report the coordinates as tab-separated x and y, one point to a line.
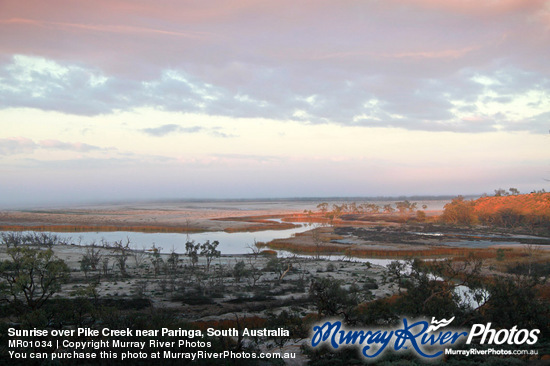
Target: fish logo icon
439	324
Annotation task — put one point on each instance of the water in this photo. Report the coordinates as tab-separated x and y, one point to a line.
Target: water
338	257
230	243
479	243
467	296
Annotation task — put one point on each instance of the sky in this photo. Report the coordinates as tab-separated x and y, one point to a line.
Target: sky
113	100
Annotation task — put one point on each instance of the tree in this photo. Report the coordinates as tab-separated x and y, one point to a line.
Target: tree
90	260
156	259
280	266
334	300
123	252
514	191
337	210
517	300
316	237
459	211
374	208
402	206
31	276
433	288
210	252
323	207
239	271
255	271
395	273
192	251
173	261
370	207
388	208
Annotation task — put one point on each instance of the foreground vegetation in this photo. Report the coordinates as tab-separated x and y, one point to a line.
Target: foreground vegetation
40	291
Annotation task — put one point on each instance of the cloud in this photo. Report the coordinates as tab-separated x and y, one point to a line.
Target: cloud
103	28
167	129
394	63
217	132
59	145
171	128
16	145
21	145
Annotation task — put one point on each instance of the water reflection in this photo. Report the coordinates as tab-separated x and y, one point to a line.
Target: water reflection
338	257
230	243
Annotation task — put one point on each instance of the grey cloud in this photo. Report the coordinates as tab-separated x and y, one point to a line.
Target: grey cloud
174	128
76	91
17	145
422	103
12	146
537	124
218	132
163	130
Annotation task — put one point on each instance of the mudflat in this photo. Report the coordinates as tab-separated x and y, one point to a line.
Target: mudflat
170	216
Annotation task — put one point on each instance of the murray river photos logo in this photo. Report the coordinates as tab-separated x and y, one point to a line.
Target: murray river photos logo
427	340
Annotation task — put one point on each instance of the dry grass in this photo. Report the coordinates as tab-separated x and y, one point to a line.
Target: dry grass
305	247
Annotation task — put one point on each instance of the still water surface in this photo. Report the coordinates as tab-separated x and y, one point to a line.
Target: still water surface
230	243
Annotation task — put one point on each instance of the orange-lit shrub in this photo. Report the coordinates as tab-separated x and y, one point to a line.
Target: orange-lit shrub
529	210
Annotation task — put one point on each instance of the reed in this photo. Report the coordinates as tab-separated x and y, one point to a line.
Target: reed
366	252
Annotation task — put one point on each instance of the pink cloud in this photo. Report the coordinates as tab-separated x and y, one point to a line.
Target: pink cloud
21	21
435	54
123	29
